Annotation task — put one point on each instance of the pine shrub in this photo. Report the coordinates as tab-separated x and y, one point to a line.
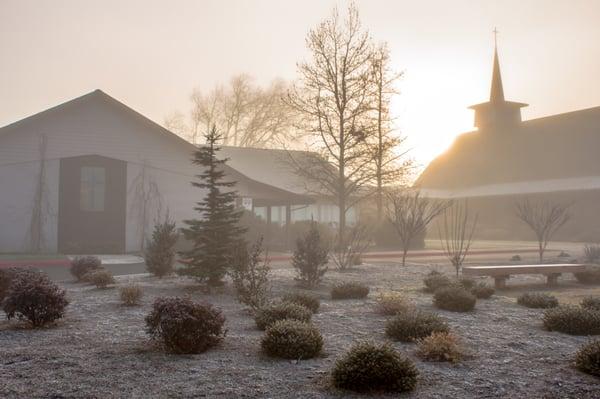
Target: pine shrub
572	320
131	295
482	291
310	258
250	276
392	303
589	276
454	298
435	280
101	278
159	254
592	303
33	297
372	367
352	290
292	339
587	358
82	265
440	347
184	326
413	325
281	311
308	301
537	300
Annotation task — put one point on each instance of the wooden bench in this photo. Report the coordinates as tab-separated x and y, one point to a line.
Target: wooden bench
502	273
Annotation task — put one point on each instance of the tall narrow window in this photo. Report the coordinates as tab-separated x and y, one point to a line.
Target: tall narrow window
93	186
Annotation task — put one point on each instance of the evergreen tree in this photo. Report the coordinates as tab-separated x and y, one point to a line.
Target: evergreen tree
310	258
159	254
217	232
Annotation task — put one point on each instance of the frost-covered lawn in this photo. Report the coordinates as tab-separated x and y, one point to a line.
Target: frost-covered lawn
100	348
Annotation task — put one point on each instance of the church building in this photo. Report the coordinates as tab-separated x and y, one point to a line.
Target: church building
506	160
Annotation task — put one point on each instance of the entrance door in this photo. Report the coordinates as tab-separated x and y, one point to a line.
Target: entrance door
92	205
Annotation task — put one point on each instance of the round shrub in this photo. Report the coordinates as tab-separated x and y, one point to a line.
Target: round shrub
482	291
572	320
292	339
415	324
308	301
101	278
392	303
131	295
435	280
467	283
184	326
33	297
589	276
587	358
371	367
592	303
281	311
82	265
537	300
440	347
349	291
454	298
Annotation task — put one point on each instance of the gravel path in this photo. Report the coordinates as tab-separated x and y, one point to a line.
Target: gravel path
100	349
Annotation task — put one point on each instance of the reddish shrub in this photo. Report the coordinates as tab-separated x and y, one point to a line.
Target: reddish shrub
33	297
184	326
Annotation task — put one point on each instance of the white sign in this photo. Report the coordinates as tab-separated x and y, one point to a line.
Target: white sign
247	203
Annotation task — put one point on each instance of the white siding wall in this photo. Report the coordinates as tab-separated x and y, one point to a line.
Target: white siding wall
18	184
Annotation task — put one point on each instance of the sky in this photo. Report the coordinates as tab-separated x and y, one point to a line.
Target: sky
151	54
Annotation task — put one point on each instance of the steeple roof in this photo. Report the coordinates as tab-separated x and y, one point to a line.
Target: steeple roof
497	91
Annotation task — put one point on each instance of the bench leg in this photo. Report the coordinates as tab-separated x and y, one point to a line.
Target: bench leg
500	282
552	279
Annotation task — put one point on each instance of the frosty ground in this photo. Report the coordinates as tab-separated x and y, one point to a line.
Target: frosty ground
100	349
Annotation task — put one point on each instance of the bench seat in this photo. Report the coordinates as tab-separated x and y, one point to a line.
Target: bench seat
502	273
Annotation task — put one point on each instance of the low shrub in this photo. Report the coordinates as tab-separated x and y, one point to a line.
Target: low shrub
482	291
392	303
372	367
572	320
537	300
159	254
184	326
33	297
467	283
440	347
587	358
589	276
82	265
435	280
131	295
101	278
349	291
590	302
291	339
281	311
516	258
250	274
415	324
454	298
308	301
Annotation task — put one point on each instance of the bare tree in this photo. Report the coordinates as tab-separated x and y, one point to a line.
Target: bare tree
146	202
41	205
349	247
410	214
389	168
456	233
248	115
544	218
333	98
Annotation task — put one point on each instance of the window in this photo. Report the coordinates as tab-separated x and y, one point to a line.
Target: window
93	184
